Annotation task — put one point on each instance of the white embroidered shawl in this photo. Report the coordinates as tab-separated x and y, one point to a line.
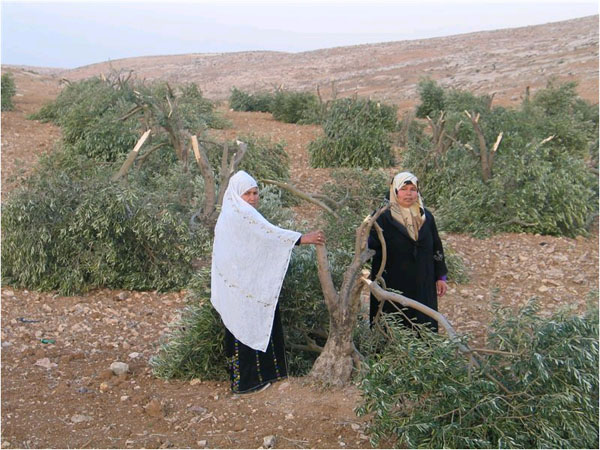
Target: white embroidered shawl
249	261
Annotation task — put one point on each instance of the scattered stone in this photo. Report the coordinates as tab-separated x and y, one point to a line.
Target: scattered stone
8	293
78	418
195	381
289	416
543	288
83	390
284	385
122	296
104	386
133	355
119	368
269	441
124	398
198	410
355	426
5	444
45	363
201	444
154	408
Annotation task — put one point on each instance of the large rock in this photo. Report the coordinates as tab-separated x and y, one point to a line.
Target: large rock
119	368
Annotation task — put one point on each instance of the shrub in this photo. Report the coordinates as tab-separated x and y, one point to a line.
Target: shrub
194	346
89	113
537	185
99	119
421	393
265	159
432	99
75	233
8	90
296	107
243	101
357	134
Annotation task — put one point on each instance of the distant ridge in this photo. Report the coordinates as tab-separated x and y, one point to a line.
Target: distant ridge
503	62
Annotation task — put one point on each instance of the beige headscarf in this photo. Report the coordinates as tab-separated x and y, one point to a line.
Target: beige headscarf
249	261
412	218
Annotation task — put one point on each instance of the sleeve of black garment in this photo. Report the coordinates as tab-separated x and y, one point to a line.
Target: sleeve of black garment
439	260
373	242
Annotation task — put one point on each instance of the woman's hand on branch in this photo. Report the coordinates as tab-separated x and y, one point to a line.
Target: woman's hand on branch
314	237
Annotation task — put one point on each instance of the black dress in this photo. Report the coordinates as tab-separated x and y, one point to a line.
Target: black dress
251	369
412	267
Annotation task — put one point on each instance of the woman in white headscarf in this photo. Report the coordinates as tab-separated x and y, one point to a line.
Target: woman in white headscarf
415	263
249	262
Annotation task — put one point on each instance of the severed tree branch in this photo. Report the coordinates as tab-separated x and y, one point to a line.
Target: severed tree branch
131	157
207	174
302	195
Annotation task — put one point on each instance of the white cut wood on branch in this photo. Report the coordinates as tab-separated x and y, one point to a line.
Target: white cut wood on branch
207	174
497	143
131	157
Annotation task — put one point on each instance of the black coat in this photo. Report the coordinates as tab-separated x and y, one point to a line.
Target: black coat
412	267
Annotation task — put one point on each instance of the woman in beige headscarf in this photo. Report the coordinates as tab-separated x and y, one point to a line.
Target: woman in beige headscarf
249	261
415	262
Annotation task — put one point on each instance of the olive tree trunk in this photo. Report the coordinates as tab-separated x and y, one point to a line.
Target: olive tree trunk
339	357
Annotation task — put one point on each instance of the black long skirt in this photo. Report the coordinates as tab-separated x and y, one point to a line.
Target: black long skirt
250	369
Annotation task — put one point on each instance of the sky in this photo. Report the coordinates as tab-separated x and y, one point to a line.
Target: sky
72	34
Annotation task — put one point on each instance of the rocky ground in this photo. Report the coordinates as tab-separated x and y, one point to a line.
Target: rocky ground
58	389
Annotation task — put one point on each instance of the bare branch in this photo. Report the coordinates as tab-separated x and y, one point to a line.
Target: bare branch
325	278
242	149
131	157
494	352
383	251
302	195
209	179
131	113
497	143
150	151
384	295
548	139
307	347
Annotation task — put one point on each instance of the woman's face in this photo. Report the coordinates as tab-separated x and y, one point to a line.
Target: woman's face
251	197
407	195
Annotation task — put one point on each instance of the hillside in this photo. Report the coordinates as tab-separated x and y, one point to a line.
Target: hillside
63	394
503	62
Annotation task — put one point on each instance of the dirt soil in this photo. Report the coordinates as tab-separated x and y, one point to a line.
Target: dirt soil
62	393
